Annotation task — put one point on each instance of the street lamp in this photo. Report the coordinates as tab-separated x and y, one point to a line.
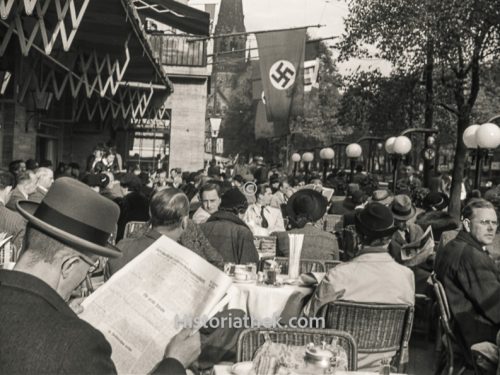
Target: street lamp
307	158
482	139
296	160
397	147
214	129
353	151
326	154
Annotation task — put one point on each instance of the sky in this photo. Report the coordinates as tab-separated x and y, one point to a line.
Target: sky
277	14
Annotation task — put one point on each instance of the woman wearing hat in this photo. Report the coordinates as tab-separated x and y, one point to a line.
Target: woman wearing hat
435	215
305	209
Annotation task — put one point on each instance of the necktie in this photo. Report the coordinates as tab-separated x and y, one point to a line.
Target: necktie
407	236
264	223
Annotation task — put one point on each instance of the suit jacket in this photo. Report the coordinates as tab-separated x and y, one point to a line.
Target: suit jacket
42	335
15	196
14	224
38	195
472	284
421	271
133	207
193	240
317	244
370	277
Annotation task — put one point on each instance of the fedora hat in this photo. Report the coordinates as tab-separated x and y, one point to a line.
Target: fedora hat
402	207
306	203
435	201
382	196
375	221
74	214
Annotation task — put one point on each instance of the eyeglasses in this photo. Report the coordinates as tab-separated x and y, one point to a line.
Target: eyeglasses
488	222
93	266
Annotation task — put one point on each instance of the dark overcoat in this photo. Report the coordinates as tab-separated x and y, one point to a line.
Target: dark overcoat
40	334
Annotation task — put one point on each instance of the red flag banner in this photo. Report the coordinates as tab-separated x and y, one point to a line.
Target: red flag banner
281	56
263	128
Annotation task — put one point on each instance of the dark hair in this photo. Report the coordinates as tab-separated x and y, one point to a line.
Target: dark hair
31	164
475	203
46	163
209	186
168	208
14	166
261	190
238	178
6	179
161	170
131	181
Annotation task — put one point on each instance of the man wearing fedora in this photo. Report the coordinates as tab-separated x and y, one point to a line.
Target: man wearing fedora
305	209
403	211
372	275
40	333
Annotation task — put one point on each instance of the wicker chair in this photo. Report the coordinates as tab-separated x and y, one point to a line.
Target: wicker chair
333	223
306	265
329	264
253	338
376	327
444	320
135	228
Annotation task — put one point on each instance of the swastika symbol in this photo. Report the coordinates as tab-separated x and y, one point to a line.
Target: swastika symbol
282	74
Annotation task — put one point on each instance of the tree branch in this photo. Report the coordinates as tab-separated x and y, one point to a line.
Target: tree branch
448	108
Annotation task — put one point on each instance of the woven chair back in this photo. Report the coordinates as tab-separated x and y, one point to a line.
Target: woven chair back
135	228
306	265
253	338
375	327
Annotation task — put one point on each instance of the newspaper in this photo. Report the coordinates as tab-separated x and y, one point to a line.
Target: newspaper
139	308
417	252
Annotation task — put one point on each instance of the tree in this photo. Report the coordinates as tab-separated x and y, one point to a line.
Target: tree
464	35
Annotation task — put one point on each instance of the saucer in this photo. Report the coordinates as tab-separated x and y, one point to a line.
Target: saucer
243	368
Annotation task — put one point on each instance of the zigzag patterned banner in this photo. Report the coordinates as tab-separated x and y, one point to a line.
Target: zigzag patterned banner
69	18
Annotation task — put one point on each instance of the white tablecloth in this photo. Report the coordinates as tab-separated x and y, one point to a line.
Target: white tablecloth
226	370
263	302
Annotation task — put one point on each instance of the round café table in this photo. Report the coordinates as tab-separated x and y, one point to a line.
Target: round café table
263	302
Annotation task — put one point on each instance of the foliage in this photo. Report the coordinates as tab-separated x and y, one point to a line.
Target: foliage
459	36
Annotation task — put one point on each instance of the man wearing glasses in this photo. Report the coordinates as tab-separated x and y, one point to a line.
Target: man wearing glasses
40	333
471	278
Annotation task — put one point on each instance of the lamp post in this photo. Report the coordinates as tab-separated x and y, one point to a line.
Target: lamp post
307	158
481	138
380	146
326	154
296	160
428	153
214	130
397	147
353	151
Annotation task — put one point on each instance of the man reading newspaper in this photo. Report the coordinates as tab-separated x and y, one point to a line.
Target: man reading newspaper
409	244
40	333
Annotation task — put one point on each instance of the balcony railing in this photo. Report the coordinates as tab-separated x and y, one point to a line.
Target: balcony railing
175	50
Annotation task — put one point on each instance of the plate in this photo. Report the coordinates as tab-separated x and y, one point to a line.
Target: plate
242	368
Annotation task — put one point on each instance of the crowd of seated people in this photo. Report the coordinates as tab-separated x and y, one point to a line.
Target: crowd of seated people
217	213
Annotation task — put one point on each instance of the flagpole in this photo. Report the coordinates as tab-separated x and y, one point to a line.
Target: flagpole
256	48
252	32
